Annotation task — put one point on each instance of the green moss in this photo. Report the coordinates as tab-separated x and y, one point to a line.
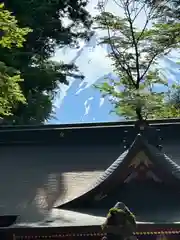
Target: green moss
115	210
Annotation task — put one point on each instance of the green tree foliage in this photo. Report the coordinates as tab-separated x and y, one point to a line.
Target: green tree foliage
166	10
55	24
135	53
11	37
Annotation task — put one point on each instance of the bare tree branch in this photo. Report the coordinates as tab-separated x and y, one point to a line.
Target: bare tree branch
127	70
135	46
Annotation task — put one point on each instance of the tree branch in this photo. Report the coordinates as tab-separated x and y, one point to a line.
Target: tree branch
135	46
127	70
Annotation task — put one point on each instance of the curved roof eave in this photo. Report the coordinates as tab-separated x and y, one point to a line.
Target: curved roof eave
113	172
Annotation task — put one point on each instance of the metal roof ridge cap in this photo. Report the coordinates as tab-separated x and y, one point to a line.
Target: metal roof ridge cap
139	139
124	123
61	128
76	128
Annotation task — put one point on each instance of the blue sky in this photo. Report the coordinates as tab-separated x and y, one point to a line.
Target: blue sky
80	102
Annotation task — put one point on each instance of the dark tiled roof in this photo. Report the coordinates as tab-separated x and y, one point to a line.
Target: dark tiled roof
159	158
172	150
111	169
61	218
169	170
90	217
89	133
76	160
165	162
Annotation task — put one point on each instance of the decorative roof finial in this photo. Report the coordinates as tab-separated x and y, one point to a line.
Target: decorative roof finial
141	125
150	133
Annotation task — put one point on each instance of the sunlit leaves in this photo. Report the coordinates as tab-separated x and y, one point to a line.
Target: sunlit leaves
135	53
55	24
11	36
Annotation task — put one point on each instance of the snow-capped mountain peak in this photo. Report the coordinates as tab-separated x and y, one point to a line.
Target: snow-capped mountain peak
80	101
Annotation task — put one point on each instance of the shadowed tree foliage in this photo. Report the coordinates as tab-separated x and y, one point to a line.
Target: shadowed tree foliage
55	24
135	53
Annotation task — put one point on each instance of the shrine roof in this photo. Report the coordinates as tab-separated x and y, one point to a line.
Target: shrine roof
85	133
158	165
91	217
141	146
74	156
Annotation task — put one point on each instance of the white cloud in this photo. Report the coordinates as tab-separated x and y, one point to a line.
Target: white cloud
112	6
95	64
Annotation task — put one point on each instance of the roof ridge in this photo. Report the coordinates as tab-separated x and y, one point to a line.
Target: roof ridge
86	125
172	166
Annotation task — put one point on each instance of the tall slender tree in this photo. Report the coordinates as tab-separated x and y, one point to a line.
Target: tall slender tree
135	53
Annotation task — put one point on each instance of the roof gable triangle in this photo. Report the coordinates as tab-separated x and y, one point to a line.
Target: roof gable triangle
141	157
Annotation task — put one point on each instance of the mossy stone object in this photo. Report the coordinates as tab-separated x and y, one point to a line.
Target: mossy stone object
120	221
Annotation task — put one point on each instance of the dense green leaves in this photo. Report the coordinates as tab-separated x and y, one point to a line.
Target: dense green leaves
54	23
11	36
135	53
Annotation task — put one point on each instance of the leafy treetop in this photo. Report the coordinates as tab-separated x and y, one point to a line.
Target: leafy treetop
135	53
11	36
55	24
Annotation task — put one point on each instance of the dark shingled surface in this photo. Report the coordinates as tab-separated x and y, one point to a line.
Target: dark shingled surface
41	167
159	158
169	170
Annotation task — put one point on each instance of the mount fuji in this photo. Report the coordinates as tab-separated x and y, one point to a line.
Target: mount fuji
80	101
84	104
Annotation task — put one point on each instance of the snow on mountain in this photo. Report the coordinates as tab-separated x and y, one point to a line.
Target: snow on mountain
80	101
171	70
84	104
